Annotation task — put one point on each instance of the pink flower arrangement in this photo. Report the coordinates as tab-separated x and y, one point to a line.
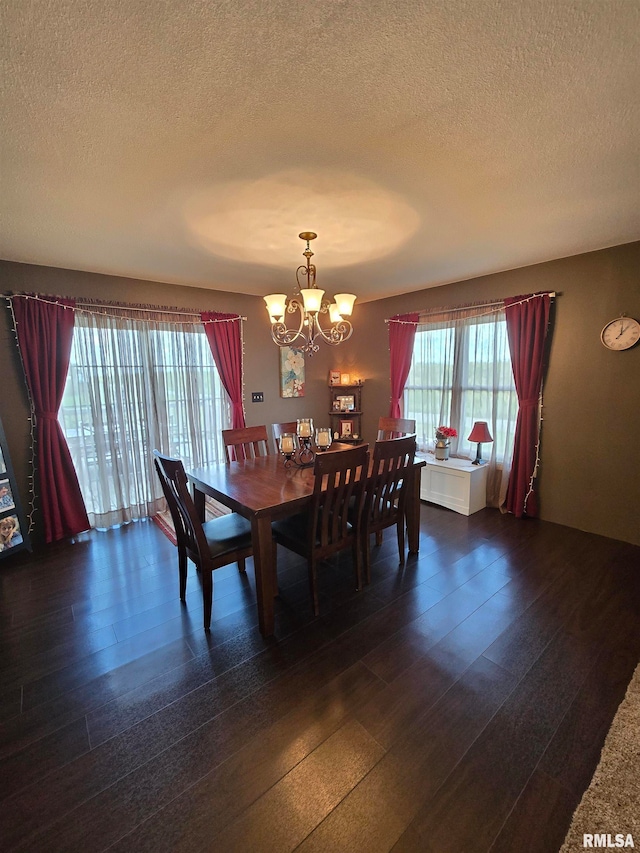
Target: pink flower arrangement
446	432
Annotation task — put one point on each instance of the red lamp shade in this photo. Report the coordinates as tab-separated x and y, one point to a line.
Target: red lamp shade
480	432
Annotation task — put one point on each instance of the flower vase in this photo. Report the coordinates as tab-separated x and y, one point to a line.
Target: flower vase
442	449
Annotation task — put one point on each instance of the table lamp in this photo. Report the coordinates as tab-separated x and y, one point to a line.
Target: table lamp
481	434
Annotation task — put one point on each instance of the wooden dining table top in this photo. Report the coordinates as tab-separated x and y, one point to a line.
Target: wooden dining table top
261	486
258	486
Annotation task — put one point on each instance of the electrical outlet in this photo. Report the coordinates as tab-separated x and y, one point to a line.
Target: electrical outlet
257	397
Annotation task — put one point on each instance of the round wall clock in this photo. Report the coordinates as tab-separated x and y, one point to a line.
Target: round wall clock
621	333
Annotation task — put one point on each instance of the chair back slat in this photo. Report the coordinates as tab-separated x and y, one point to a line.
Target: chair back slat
387	486
339	485
245	443
182	508
395	428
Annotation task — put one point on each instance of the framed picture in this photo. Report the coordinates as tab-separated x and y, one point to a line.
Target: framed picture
6	496
346	403
291	372
346	429
10	535
345	379
334	377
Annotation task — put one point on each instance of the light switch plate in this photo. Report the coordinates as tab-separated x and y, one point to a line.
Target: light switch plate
257	397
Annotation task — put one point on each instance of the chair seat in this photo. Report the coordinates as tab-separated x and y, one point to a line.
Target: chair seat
227	533
292	532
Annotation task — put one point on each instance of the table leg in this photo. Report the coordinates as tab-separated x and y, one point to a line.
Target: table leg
412	509
264	569
198	500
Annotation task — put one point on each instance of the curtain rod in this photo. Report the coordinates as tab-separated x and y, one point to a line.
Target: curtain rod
498	304
121	307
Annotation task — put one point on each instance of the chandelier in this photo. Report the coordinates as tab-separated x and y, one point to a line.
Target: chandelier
309	302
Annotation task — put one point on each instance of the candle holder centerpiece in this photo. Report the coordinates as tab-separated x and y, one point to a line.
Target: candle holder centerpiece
297	448
323	439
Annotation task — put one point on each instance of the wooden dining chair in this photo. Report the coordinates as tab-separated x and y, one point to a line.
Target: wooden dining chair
280	429
385	493
328	526
245	443
216	543
395	428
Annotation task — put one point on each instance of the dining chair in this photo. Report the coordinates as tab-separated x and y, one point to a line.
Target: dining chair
385	493
395	428
328	526
216	543
246	443
280	429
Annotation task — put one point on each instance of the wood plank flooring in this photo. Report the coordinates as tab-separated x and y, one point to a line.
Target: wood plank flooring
458	703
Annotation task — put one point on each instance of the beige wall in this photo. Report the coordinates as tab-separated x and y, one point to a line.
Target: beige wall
590	471
590	452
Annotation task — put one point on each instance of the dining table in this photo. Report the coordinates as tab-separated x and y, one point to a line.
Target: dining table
263	490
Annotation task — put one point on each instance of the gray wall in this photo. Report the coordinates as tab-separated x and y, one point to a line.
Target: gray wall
589	476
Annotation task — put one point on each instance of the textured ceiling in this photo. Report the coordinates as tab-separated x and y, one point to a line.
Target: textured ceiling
425	141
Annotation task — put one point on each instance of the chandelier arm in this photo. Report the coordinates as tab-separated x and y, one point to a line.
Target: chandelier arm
281	334
336	334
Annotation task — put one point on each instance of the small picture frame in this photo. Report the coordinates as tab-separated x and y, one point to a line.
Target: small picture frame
346	429
347	403
336	405
334	377
345	379
6	496
10	534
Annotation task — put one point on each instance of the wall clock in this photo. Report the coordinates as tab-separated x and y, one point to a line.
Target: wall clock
621	333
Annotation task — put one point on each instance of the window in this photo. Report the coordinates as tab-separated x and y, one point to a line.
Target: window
460	373
134	386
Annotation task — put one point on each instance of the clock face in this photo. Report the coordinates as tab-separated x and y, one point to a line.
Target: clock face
621	333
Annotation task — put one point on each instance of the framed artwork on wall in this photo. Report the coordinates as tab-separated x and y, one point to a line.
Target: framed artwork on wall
291	372
346	403
346	429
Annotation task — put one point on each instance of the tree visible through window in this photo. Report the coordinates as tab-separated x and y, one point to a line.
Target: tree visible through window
460	373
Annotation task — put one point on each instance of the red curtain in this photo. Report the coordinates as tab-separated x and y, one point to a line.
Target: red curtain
527	323
225	341
45	331
402	335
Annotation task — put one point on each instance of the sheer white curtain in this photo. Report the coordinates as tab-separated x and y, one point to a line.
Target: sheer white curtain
136	385
460	373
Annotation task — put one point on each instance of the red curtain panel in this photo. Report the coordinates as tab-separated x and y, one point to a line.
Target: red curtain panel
527	324
402	334
225	340
45	332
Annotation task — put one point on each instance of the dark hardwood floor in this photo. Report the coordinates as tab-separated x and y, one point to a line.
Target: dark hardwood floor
458	703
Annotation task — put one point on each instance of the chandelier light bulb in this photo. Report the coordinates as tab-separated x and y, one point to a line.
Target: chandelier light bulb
334	313
312	299
276	305
345	301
